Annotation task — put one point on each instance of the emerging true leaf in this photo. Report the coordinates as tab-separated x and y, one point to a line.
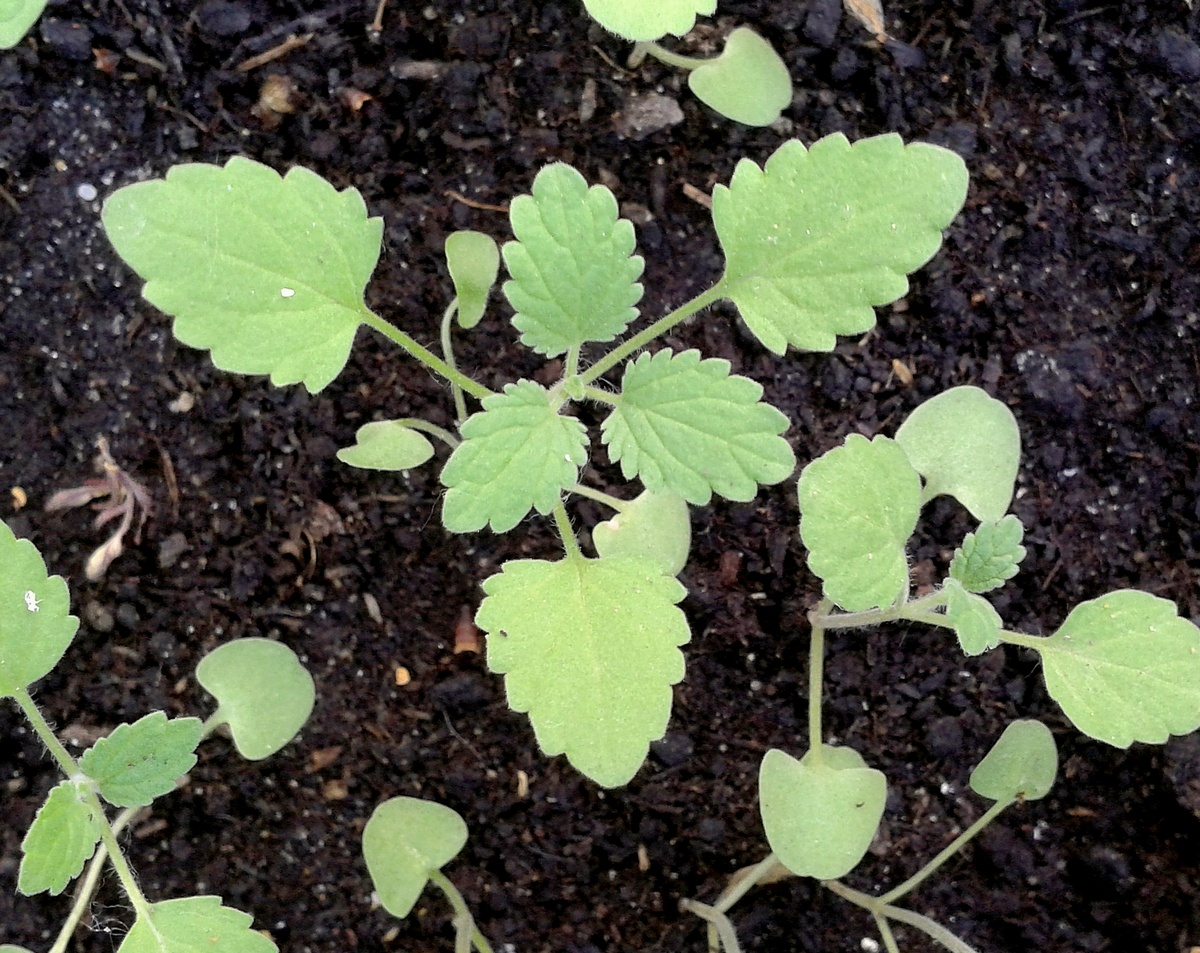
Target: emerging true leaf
975	622
1022	764
474	262
589	648
195	925
139	762
60	841
989	556
405	841
638	20
574	274
387	445
689	426
265	271
747	83
817	237
16	17
656	525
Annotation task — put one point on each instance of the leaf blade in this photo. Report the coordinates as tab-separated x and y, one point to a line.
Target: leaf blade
16	18
990	556
195	925
140	761
976	623
648	21
386	445
473	259
1021	765
60	841
404	841
748	83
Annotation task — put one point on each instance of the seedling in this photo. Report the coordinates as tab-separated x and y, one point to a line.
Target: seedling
16	19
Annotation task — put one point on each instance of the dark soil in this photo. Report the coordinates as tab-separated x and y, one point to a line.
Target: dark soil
1068	288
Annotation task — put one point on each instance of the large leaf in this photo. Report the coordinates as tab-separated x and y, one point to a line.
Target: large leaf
474	261
589	648
639	20
16	17
817	237
405	841
141	761
265	271
1022	764
687	425
989	556
747	83
195	925
60	841
517	454
656	525
574	274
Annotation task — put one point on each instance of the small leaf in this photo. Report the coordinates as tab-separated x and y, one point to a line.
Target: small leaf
474	263
195	925
635	20
1125	667
16	17
990	556
139	762
60	841
267	272
975	622
405	841
817	237
35	627
574	274
689	426
387	445
967	445
518	454
265	695
747	83
1022	764
656	525
859	503
589	648
820	818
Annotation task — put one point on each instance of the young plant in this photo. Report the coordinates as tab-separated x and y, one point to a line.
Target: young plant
268	273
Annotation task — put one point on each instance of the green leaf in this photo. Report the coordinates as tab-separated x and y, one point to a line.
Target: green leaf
975	622
405	840
10	948
474	263
818	237
265	695
387	445
139	762
195	925
638	20
574	274
35	627
518	454
689	426
748	82
1125	667
16	17
589	648
60	841
1021	766
859	503
989	556
820	817
967	445
656	525
266	272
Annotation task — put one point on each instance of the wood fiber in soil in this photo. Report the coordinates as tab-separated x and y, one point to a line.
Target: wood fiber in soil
1067	288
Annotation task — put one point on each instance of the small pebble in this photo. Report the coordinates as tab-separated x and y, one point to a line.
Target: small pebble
87	192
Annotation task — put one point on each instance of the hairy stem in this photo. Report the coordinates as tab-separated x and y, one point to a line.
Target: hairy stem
466	933
460	404
566	532
424	355
33	714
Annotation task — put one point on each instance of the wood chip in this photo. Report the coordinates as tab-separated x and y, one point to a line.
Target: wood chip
522	785
254	62
372	605
19	497
903	374
323	757
870	14
698	196
402	676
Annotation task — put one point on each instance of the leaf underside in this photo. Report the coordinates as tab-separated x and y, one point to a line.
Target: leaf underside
61	839
405	841
195	925
636	20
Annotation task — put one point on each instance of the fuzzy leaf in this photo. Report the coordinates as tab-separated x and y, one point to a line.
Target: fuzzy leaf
638	20
195	925
1022	764
748	82
60	841
517	454
989	557
975	622
589	648
574	274
474	262
656	525
265	271
405	840
689	426
859	503
16	17
139	762
387	445
817	237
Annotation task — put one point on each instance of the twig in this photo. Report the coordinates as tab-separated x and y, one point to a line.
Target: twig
483	206
274	53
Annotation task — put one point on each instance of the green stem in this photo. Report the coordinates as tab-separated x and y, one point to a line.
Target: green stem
885	931
70	767
816	676
566	532
674	59
141	906
600	497
444	435
460	405
1023	639
735	891
601	396
424	355
915	609
466	933
881	910
718	923
571	363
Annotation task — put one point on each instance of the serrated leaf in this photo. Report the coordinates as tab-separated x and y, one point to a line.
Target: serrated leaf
517	454
265	694
656	525
16	17
818	237
589	648
638	20
574	274
61	839
748	82
35	627
1125	667
990	556
820	818
975	622
859	504
195	925
387	445
405	840
967	445
1022	764
689	426
474	262
267	272
141	761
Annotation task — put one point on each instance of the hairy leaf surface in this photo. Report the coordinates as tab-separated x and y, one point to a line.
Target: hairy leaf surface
989	557
141	761
195	925
60	841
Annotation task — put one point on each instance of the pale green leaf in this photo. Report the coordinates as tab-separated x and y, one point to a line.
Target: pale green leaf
16	17
574	274
195	925
656	525
1022	764
639	20
689	426
265	695
405	840
967	445
474	263
975	622
60	841
820	816
748	82
859	504
265	271
10	948
387	445
35	627
1125	667
989	556
817	237
517	454
139	762
589	648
